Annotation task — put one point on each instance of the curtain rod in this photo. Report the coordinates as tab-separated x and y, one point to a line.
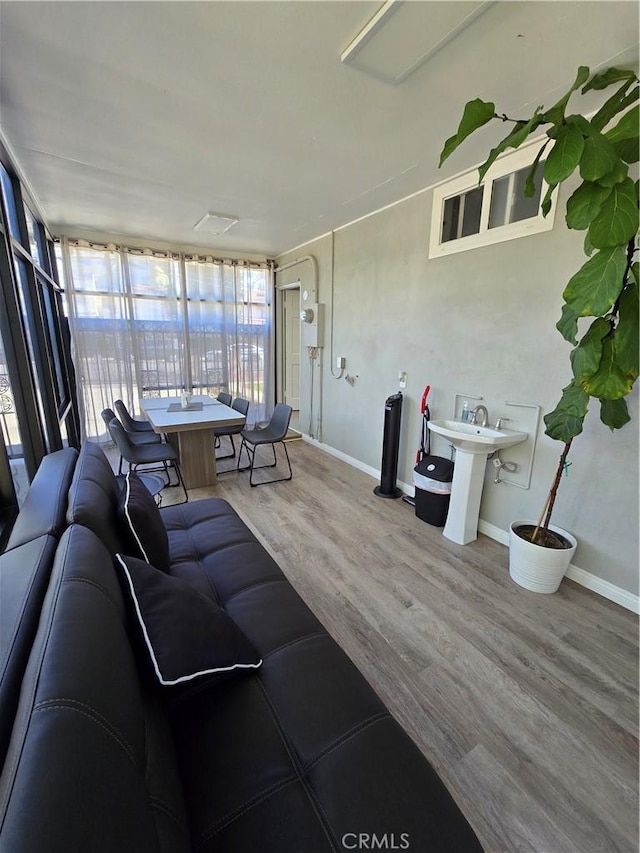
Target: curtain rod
159	253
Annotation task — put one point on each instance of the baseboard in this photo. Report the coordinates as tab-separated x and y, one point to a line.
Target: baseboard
614	593
580	576
604	588
355	463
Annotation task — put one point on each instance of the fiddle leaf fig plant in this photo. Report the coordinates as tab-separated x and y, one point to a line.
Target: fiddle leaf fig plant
601	149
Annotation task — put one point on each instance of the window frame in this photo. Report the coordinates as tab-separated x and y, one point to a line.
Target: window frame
53	422
463	182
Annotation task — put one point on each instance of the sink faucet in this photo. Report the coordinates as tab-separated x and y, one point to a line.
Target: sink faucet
485	415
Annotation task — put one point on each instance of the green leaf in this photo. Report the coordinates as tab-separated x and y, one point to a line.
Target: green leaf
617	221
476	114
584	205
627	127
512	140
555	114
609	382
565	154
567	325
597	284
606	78
585	358
615	176
530	182
598	158
546	201
635	272
614	413
616	104
628	150
588	245
574	400
565	421
625	338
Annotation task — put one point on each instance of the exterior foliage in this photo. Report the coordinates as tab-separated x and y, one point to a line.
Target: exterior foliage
604	359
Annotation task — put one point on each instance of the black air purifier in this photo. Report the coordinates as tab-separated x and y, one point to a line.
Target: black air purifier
390	445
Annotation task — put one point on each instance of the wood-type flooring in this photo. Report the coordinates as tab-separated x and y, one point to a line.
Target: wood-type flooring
526	704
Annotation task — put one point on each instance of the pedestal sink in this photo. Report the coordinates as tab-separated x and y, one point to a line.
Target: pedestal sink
473	444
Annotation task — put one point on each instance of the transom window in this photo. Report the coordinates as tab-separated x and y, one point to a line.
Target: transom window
466	216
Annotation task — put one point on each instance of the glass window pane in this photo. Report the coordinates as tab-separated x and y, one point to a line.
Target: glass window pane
10	430
472	211
499	198
151	276
450	219
462	215
508	201
523	207
10	203
56	345
35	243
22	283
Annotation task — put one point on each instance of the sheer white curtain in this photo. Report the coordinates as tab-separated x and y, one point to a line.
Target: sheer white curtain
145	323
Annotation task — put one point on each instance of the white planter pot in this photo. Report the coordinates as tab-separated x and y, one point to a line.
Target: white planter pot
535	568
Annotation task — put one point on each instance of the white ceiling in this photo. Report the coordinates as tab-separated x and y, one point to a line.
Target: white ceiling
135	119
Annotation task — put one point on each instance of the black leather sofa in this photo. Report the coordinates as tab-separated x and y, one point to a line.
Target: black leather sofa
298	755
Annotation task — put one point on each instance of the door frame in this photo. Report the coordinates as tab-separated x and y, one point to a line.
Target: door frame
280	339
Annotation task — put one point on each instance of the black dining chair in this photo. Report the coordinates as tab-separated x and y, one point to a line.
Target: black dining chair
128	422
147	454
223	397
273	433
241	406
139	439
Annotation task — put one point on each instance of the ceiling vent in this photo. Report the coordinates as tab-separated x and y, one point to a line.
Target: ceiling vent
215	223
403	35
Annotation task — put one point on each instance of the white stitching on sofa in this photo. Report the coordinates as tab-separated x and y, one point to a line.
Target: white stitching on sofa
297	766
228	819
347	736
66	704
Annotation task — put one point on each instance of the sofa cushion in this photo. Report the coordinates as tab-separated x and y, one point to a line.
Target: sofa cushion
93	496
24	575
91	765
45	505
141	523
214	550
185	633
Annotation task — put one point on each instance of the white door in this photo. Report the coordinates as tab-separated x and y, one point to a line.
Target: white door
291	304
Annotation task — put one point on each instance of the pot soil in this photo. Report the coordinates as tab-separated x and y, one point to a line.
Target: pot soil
545	538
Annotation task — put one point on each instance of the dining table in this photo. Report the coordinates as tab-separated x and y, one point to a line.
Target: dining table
191	431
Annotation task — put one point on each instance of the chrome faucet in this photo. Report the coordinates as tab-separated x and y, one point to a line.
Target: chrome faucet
485	415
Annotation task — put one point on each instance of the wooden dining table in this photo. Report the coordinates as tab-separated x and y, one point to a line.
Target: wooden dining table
192	432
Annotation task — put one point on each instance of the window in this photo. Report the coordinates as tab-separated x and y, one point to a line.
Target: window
10	203
150	324
38	411
466	216
35	240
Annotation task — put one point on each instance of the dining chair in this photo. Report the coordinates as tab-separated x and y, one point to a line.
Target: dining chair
273	433
128	422
241	406
137	438
147	454
223	397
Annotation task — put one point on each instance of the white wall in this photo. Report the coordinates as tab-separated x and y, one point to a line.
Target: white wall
479	322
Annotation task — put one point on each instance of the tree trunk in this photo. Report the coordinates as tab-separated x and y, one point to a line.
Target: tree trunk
552	493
